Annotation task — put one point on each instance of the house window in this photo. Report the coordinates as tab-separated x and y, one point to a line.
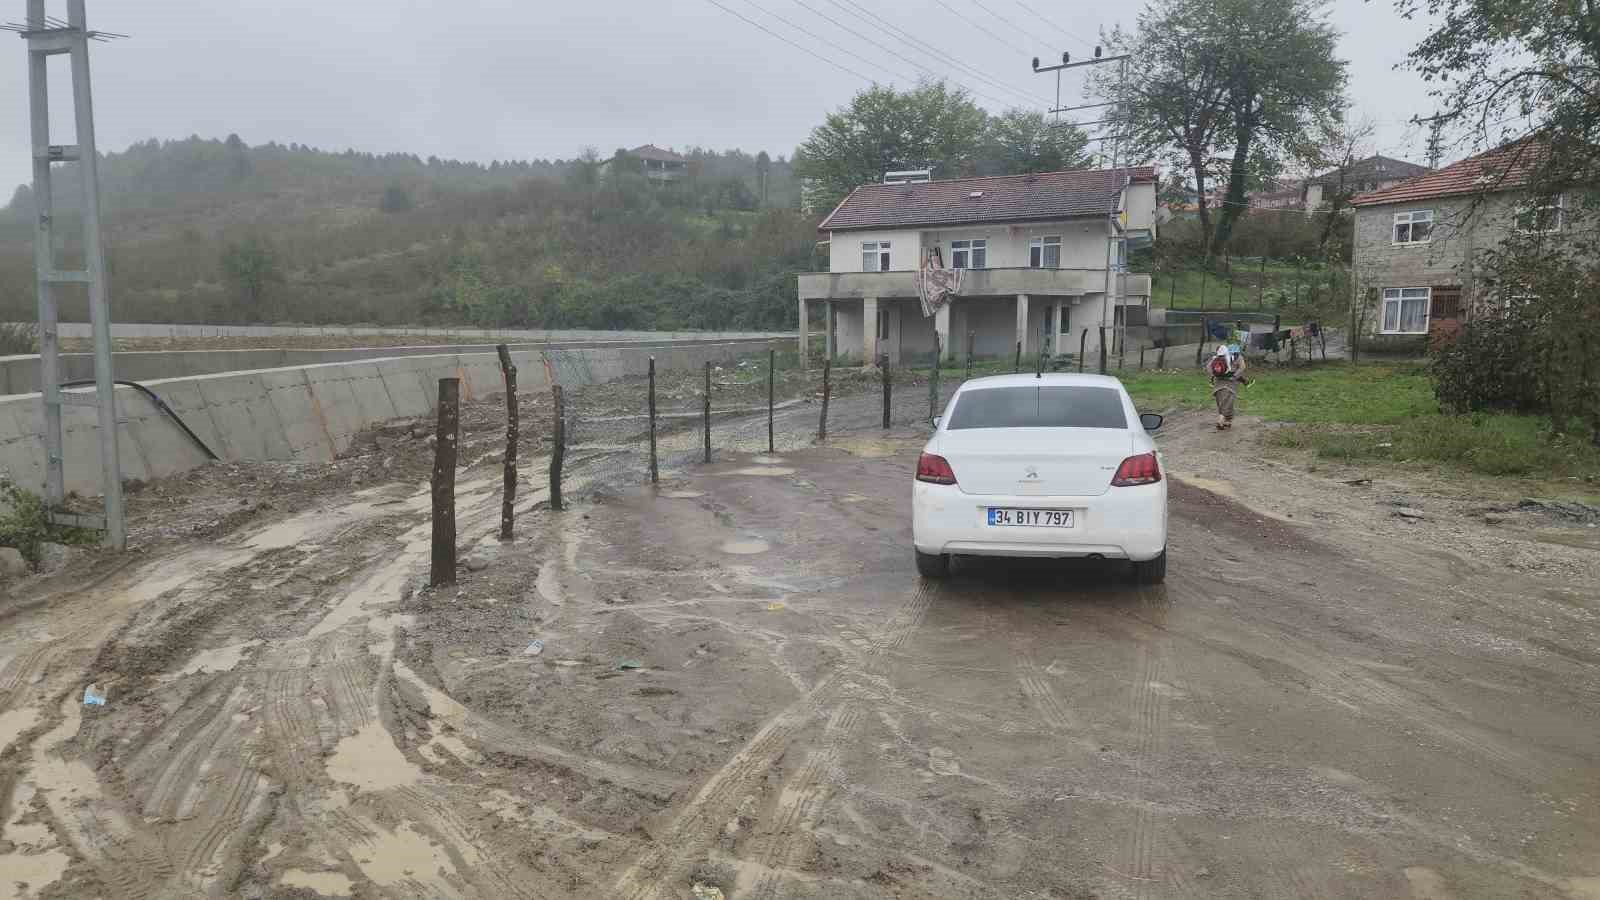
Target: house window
1445	303
1405	310
874	256
973	254
1545	217
1045	253
1414	227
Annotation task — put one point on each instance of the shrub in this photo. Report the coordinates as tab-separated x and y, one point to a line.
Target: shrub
18	338
1491	365
25	526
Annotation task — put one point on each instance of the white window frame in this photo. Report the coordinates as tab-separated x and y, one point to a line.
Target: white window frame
969	253
879	250
1409	221
1398	296
1523	209
1036	260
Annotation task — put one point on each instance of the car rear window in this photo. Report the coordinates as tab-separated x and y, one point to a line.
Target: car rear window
1055	406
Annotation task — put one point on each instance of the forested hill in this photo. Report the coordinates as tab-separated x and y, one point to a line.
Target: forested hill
219	231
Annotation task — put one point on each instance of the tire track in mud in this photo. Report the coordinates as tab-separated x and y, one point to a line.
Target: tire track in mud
701	820
1055	713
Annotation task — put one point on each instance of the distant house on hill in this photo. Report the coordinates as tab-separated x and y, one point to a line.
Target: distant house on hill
1375	173
1319	191
654	163
1416	242
1024	256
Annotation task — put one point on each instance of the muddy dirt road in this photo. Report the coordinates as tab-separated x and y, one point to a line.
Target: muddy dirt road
743	684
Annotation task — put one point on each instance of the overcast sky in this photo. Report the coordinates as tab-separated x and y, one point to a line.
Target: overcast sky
476	79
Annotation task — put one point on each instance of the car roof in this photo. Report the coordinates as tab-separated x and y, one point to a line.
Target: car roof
1047	379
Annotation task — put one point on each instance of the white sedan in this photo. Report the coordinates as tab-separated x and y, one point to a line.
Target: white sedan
1047	465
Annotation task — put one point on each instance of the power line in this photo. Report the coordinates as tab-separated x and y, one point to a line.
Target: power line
805	50
1023	31
1069	35
916	43
844	50
892	52
981	27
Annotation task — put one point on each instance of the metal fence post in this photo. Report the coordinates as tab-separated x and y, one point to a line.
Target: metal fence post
772	377
1083	348
933	381
707	415
442	569
1102	349
971	341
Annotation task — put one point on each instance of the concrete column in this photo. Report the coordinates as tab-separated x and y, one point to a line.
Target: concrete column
941	327
869	330
830	326
1022	324
805	336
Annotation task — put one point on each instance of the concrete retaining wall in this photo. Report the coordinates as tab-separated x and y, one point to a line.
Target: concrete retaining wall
307	412
423	334
20	374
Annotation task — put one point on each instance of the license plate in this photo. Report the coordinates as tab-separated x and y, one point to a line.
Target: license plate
1035	518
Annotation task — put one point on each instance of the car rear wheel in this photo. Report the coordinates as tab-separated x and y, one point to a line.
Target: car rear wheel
933	565
1151	571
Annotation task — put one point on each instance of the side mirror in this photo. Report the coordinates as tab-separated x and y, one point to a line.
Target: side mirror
936	421
1150	421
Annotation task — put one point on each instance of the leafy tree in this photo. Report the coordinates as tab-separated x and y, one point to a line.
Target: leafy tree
1228	90
930	126
763	170
1506	69
251	267
396	199
1020	141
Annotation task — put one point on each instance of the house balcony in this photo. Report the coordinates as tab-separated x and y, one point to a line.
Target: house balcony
975	283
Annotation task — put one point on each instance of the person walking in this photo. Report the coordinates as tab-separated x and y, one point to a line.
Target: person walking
1226	371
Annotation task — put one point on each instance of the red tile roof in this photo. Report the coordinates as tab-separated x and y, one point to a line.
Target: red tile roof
1505	167
998	198
651	151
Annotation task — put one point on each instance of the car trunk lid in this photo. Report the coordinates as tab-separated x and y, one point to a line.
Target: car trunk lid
1042	462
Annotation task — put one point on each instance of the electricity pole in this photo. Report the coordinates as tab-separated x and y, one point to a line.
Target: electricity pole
49	36
1115	233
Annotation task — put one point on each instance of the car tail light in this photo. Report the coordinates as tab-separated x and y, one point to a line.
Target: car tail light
934	470
1141	469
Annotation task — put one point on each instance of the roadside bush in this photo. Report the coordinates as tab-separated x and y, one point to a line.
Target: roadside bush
17	338
1491	365
24	525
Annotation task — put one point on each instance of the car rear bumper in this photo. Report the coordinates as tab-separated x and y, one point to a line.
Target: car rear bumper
1123	523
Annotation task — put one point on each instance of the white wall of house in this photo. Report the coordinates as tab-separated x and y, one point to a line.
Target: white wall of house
844	249
1140	202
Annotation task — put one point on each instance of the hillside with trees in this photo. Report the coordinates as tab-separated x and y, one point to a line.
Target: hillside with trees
202	230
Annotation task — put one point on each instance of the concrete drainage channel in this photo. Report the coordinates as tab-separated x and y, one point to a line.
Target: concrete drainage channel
312	412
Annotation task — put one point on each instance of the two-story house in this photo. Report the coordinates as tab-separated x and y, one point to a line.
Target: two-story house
1035	251
1417	243
654	163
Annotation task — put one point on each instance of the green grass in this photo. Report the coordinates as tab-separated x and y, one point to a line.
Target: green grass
1382	412
1333	393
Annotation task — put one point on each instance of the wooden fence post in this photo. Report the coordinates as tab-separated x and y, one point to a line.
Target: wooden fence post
558	452
707	416
1205	334
972	339
772	377
443	564
1017	367
655	470
1083	348
1161	354
509	492
933	381
1102	349
888	388
822	422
